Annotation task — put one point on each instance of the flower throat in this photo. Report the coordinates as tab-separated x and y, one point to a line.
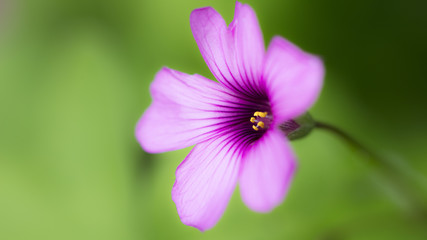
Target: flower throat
261	120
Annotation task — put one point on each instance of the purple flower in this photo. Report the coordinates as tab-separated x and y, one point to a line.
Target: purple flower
233	123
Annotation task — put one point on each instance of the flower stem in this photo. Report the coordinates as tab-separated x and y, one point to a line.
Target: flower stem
389	173
370	155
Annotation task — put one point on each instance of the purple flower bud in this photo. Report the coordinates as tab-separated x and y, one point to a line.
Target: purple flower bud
298	127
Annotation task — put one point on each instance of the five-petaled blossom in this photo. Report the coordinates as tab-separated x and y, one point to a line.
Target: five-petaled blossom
233	123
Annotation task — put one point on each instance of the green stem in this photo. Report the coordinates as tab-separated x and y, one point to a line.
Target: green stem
370	155
390	173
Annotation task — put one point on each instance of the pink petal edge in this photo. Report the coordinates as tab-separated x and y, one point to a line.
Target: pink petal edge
205	181
233	54
266	172
183	111
294	79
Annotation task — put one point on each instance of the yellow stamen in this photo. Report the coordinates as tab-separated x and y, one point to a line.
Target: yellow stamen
255	128
256	114
252	119
260	124
262	114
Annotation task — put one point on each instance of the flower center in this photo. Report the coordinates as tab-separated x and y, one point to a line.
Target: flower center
262	120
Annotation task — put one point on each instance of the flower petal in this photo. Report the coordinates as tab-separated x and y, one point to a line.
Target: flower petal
234	54
249	44
266	172
205	181
186	109
294	79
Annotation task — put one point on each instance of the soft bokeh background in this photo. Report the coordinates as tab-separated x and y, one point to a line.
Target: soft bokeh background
74	77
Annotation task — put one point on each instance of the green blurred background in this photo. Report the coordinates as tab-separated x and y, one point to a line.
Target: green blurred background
74	77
